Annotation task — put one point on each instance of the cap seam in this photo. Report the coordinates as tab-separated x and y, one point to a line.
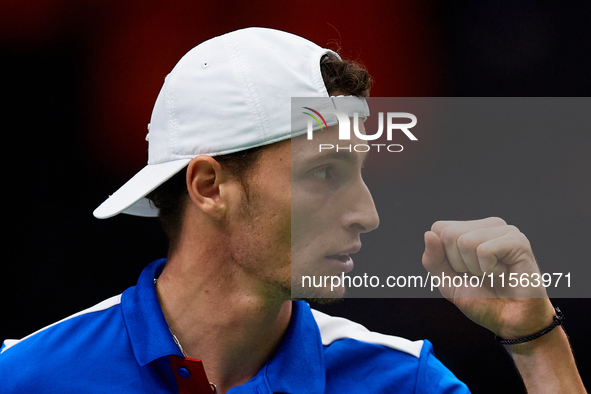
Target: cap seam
170	111
248	89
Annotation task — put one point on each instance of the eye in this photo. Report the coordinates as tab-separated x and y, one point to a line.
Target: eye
324	172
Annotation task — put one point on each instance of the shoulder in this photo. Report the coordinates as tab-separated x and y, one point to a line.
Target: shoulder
352	354
334	328
67	327
62	349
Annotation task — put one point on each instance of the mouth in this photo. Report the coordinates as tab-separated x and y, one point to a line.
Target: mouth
343	257
342	260
344	254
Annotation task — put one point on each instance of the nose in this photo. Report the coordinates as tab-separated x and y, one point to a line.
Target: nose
363	216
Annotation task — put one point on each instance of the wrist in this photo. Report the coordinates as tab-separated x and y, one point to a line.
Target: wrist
557	320
539	345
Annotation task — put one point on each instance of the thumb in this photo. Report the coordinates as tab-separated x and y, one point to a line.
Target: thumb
434	259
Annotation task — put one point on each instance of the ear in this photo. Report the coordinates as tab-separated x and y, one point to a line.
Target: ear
204	177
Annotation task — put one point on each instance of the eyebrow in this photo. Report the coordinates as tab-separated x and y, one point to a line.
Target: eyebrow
340	155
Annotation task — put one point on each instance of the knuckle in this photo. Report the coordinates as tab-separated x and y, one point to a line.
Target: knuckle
438	226
524	241
464	242
519	238
513	229
483	251
496	221
448	235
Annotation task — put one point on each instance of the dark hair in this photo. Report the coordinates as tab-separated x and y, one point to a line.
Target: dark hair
340	77
344	76
170	197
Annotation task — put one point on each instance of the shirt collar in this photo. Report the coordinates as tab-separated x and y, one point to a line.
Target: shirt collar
148	331
297	367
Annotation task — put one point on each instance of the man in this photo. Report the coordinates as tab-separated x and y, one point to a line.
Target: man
244	202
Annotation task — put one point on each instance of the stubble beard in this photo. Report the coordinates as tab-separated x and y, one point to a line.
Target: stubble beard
275	288
249	209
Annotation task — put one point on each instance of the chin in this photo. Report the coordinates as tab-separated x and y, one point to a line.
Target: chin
320	301
320	295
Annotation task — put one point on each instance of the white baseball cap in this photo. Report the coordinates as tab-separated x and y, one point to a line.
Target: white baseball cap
228	94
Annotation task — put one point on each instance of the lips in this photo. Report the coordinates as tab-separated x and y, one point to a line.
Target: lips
342	260
341	257
344	254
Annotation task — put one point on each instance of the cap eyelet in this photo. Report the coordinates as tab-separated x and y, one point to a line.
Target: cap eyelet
204	64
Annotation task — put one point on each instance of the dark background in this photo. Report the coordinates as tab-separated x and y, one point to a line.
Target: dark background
79	81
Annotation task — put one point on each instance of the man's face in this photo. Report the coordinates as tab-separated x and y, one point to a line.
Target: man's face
304	215
330	206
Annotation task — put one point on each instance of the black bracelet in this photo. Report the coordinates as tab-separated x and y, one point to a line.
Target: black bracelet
558	320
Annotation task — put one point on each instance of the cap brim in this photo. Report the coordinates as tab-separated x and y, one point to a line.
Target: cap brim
130	197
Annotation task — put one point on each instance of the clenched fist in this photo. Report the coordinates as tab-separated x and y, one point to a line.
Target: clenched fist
485	247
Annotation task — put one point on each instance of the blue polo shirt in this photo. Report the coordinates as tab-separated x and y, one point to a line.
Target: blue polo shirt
123	345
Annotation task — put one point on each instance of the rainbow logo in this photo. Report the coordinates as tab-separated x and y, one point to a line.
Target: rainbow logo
315	118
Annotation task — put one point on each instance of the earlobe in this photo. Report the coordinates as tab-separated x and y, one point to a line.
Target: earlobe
204	176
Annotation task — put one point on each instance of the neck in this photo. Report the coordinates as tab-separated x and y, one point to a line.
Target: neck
221	316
